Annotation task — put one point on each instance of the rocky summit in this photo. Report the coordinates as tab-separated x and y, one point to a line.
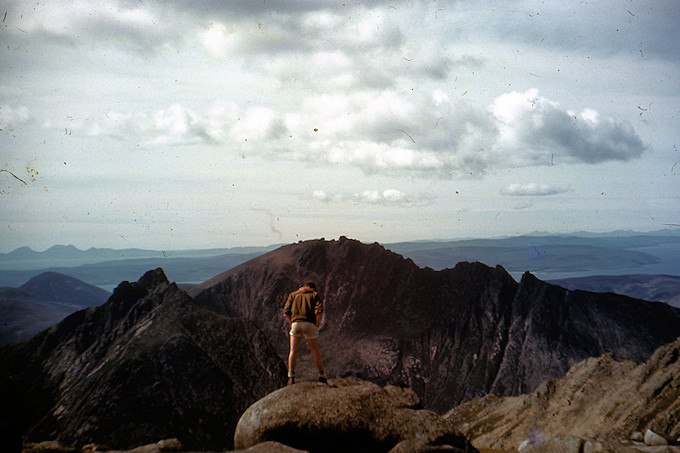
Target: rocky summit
450	335
347	416
598	398
147	365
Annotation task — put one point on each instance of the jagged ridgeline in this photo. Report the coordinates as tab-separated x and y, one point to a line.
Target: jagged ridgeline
155	362
450	335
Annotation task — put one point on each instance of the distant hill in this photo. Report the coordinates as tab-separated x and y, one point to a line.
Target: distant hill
663	288
42	302
55	287
22	315
24	258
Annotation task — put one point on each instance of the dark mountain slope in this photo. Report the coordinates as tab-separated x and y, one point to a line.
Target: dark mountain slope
452	334
553	328
22	315
147	365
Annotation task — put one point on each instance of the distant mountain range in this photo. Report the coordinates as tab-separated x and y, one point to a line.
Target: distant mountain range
107	267
556	256
156	362
42	302
549	257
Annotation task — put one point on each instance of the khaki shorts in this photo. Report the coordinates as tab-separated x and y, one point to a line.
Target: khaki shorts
304	328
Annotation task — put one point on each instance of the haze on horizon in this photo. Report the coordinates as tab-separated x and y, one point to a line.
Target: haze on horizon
192	125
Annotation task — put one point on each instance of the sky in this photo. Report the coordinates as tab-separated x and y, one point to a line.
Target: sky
186	125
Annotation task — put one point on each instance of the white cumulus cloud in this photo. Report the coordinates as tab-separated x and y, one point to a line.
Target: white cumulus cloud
385	132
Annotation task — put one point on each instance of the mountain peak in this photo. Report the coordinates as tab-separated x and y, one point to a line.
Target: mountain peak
191	370
153	278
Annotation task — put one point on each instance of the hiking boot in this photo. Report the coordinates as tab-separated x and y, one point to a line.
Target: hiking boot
291	380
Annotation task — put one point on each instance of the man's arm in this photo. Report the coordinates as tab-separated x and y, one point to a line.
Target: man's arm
287	308
318	309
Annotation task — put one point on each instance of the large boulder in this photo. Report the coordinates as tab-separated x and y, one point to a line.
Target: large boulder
347	415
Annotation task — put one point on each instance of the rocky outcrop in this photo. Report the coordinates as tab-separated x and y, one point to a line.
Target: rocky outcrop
598	398
149	364
450	335
347	415
575	444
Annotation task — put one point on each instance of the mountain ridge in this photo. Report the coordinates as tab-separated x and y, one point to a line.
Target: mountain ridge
149	364
155	362
501	336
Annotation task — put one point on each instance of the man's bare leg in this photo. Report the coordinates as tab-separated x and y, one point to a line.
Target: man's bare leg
295	343
316	354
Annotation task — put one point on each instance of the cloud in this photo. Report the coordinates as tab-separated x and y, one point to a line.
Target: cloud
388	133
383	132
13	116
331	47
531	189
386	197
258	123
136	27
172	125
532	127
222	123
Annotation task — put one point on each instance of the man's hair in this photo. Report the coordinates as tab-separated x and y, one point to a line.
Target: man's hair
310	284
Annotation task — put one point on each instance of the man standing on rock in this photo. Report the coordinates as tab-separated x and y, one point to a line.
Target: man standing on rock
304	312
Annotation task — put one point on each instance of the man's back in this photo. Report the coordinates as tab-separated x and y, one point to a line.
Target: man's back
303	305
